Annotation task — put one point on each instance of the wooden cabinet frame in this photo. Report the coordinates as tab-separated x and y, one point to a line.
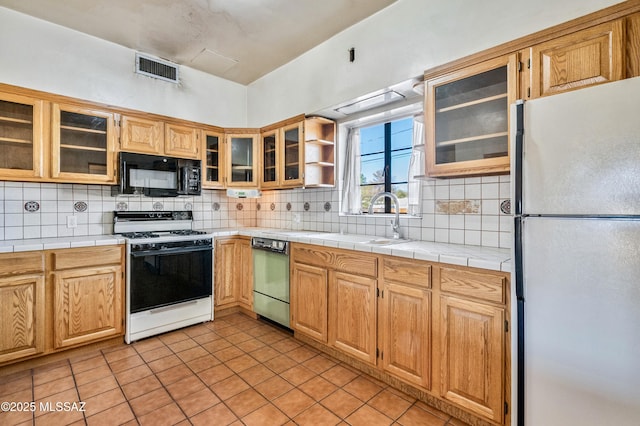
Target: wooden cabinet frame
471	167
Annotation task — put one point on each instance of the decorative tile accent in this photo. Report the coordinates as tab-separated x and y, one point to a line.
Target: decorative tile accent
158	206
505	206
32	206
215	206
288	207
258	206
122	206
458	207
272	206
239	206
80	206
306	206
327	206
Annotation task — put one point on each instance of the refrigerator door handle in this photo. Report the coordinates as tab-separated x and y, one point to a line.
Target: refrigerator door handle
518	155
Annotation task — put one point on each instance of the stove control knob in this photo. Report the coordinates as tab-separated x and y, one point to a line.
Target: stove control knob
135	247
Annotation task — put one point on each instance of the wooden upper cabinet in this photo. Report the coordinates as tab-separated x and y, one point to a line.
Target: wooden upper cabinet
21	137
148	136
83	145
141	135
212	160
585	58
241	160
181	141
467	112
282	154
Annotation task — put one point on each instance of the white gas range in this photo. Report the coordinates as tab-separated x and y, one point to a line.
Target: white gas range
169	273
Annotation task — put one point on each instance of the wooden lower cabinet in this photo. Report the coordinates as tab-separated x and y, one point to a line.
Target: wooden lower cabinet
352	315
233	273
439	328
55	299
473	351
22	318
309	294
406	333
88	305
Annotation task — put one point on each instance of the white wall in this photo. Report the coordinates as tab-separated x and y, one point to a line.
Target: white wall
44	56
397	44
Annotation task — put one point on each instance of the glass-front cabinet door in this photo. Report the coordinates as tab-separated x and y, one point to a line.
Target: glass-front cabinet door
270	147
292	155
21	138
468	113
212	163
82	145
242	156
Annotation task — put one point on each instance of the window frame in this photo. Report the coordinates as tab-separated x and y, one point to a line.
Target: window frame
387	156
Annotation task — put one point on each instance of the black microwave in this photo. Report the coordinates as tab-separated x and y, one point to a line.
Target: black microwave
157	176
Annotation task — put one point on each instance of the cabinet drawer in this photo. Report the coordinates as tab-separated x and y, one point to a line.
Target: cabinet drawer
413	272
21	263
89	256
340	260
473	284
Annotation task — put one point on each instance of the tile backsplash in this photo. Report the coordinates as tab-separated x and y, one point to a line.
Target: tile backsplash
460	211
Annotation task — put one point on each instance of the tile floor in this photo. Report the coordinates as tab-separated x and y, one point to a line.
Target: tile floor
235	370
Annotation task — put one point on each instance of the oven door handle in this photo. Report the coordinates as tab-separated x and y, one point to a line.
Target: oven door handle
163	252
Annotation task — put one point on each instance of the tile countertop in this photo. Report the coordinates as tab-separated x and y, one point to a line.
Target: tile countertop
494	259
490	258
11	246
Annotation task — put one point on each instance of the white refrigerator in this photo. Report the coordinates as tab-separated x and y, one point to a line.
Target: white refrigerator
576	274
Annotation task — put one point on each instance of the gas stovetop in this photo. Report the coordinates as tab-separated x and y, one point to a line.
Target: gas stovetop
165	225
178	232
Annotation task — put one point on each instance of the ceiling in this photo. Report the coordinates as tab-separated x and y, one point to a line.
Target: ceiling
239	40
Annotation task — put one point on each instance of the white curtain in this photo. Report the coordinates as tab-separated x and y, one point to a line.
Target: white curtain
416	167
351	198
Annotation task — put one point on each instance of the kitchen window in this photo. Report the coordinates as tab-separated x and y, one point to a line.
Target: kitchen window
385	151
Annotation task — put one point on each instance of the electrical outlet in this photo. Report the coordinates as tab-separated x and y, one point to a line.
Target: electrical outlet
296	218
72	222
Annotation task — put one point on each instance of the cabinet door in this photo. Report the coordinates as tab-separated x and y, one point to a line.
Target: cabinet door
242	156
352	315
292	158
83	143
472	342
87	305
21	137
225	278
467	112
406	347
212	160
270	148
588	57
22	317
181	141
141	135
309	293
244	272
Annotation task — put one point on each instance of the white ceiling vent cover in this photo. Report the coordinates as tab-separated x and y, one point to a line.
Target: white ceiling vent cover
156	68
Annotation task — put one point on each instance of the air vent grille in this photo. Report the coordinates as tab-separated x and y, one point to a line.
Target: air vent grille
157	68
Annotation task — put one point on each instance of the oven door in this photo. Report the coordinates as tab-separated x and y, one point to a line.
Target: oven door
166	277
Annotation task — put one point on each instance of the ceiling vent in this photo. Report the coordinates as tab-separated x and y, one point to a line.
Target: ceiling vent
156	68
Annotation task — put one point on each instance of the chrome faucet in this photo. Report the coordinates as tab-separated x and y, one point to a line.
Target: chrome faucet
395	223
